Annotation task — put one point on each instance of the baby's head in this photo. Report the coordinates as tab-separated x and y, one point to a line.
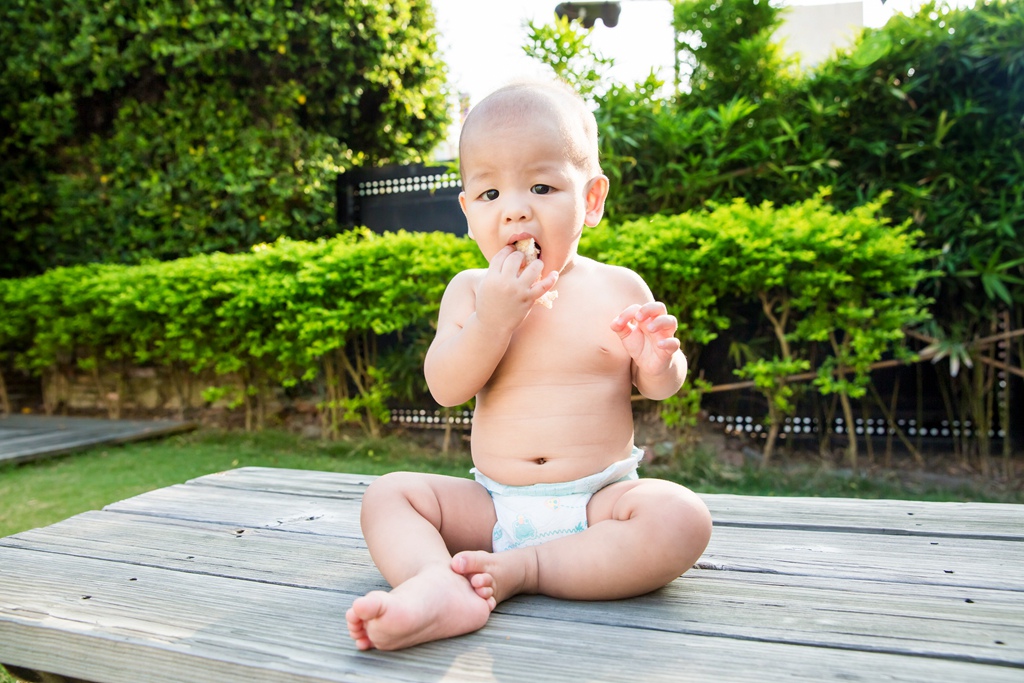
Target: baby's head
526	104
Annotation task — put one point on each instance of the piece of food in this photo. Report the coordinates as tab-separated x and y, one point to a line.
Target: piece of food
527	248
531	251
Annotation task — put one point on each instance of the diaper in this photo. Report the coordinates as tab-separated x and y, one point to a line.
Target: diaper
531	515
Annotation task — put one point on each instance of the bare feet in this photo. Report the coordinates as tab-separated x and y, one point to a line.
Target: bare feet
436	603
499	576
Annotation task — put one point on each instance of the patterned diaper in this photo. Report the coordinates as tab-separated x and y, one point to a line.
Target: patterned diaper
531	515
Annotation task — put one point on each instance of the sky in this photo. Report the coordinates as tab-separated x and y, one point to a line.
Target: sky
482	39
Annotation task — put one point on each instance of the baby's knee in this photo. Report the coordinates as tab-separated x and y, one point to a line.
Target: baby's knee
683	515
385	488
693	521
391	493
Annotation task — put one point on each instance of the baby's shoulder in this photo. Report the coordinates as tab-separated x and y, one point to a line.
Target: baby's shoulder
463	286
467	278
617	277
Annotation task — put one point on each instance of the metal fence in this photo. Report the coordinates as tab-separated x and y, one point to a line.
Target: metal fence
416	198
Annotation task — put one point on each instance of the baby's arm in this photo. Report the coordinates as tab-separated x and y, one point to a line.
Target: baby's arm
479	312
648	332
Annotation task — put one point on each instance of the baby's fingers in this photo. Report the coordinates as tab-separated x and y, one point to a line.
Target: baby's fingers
669	344
663	324
625	322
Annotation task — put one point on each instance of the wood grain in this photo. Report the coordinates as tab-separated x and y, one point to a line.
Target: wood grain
245	576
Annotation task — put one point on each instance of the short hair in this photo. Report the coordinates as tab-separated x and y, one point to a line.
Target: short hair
520	101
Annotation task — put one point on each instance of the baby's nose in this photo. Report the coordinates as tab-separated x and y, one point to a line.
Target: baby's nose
517	211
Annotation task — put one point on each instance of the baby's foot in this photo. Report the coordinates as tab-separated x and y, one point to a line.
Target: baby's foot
498	576
435	604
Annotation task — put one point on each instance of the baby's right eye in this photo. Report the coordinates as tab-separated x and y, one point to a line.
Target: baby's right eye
490	195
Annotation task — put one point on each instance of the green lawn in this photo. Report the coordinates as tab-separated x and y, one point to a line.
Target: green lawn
46	491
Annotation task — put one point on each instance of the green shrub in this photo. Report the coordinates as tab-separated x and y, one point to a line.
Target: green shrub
927	108
285	313
845	282
351	317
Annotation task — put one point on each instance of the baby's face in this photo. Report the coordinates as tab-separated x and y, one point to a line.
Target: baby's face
518	183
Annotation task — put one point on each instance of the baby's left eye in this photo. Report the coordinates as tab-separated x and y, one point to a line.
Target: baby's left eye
540	188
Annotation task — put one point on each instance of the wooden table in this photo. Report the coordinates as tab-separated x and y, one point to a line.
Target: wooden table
245	576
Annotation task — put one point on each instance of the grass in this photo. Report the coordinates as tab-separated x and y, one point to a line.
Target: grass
46	491
43	492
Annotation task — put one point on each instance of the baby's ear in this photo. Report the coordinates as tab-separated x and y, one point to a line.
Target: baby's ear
462	203
596	193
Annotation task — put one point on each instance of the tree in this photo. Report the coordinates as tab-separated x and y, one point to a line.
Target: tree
730	50
157	129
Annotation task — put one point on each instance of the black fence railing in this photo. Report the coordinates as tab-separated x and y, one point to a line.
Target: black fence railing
416	198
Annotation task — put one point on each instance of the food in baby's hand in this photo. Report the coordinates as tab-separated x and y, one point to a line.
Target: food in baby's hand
530	251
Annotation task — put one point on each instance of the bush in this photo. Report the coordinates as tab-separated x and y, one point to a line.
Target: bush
283	314
927	109
351	317
835	291
136	130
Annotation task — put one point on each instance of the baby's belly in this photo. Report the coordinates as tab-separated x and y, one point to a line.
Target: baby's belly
551	434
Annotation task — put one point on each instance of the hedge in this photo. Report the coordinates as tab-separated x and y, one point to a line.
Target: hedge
315	312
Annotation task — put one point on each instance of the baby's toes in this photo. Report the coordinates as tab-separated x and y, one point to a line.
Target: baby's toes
483	584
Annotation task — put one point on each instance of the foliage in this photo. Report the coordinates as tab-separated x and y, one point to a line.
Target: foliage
844	281
251	324
730	49
927	109
930	107
143	129
351	317
565	47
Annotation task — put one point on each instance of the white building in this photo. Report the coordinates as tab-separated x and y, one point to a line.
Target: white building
813	32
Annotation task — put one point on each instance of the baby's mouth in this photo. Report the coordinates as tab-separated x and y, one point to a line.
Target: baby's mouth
529	248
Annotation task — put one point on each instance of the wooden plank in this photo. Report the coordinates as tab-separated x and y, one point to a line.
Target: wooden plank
896	517
257	554
29	437
224	579
253	510
873	615
839	554
853	615
935	560
306	483
891	517
181	626
966	563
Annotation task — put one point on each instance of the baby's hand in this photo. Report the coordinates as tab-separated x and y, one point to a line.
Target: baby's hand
648	334
506	296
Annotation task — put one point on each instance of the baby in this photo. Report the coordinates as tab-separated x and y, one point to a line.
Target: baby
557	507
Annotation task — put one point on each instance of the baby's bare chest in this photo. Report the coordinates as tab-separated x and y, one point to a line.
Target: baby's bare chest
549	344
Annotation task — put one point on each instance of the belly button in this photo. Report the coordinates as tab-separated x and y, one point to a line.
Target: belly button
541	461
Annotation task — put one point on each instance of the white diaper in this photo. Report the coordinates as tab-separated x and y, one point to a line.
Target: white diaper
531	515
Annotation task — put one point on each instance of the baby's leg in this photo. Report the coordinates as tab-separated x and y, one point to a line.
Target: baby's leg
641	535
412	523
